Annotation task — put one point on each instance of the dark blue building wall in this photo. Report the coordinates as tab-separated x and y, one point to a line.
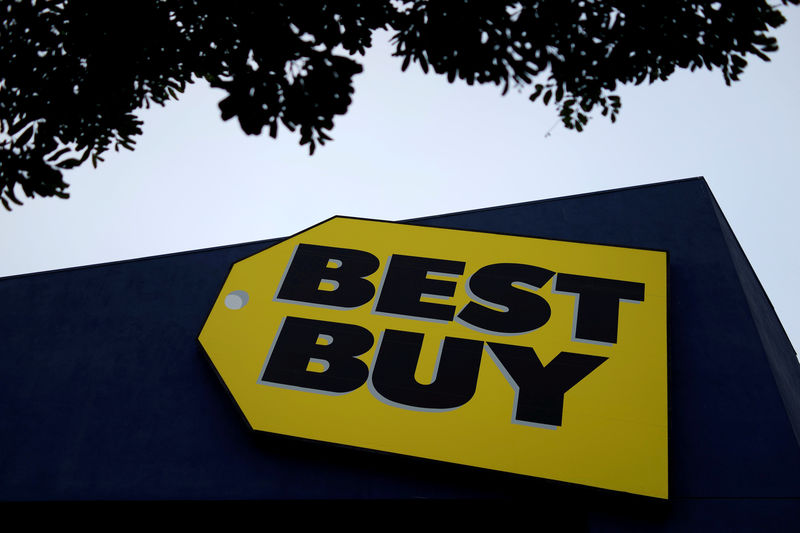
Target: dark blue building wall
107	395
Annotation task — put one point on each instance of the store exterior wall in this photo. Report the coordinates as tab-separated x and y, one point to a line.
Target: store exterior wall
108	394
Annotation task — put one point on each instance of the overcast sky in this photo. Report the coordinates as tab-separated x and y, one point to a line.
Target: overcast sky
414	145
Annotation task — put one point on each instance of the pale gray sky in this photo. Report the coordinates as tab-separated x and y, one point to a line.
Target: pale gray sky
414	145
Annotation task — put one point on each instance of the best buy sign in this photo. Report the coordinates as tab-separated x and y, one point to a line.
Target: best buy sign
539	357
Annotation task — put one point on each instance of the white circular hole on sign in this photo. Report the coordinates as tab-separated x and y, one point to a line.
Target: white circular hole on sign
236	300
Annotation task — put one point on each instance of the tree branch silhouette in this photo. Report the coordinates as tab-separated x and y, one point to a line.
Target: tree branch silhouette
74	73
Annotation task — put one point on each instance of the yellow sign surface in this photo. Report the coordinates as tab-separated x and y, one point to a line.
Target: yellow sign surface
533	356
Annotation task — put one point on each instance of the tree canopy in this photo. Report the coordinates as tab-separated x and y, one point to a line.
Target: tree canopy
73	73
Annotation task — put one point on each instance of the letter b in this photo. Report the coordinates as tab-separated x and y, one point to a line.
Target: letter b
310	267
298	344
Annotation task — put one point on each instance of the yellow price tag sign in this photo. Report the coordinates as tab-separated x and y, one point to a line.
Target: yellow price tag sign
534	356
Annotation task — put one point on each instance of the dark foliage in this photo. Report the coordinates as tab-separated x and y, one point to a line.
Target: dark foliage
72	73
